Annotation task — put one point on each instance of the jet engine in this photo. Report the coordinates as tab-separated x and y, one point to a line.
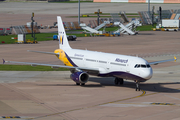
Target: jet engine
79	77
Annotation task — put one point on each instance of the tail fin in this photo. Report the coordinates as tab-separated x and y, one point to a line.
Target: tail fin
63	41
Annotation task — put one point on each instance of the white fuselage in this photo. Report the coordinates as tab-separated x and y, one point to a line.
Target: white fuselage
114	65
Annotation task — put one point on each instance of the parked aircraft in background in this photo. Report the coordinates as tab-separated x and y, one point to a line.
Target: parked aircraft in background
83	62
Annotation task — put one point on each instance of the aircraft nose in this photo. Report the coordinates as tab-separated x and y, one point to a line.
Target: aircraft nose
147	74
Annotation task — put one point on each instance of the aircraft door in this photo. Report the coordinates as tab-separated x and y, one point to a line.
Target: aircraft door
128	67
108	67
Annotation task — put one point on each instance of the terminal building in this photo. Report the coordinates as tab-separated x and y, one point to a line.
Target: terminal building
140	1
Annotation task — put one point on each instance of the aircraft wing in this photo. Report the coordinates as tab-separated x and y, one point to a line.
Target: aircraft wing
43	52
91	70
162	61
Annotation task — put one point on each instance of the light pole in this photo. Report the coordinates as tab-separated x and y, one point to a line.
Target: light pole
149	7
32	29
79	14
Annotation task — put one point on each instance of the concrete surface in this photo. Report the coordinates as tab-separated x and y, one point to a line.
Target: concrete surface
19	13
72	8
54	96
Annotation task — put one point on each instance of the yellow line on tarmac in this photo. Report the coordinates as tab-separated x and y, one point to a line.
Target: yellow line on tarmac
143	94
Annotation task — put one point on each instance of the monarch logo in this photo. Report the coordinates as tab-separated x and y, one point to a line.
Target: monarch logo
121	60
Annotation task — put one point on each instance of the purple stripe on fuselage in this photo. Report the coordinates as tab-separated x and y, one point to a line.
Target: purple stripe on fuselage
123	75
71	61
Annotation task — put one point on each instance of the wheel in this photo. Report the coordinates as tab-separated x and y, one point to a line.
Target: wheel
136	89
139	89
121	81
82	84
116	81
137	86
77	83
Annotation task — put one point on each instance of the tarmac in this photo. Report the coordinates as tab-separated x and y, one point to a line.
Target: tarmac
43	95
19	13
72	8
53	95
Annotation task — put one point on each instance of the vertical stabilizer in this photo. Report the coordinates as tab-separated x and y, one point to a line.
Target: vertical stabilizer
63	41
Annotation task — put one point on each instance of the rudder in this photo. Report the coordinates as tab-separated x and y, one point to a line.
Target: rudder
63	41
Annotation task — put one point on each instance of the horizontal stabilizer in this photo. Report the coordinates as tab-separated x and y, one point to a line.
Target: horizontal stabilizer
43	52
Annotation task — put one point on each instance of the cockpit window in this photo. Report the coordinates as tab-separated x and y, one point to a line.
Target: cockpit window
148	66
135	65
142	66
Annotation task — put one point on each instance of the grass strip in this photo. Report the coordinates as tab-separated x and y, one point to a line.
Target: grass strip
40	37
5	67
145	28
94	16
49	36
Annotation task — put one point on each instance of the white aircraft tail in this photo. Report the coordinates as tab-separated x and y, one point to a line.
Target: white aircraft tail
63	41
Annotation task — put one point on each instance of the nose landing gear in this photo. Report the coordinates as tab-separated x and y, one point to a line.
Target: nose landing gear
121	82
137	85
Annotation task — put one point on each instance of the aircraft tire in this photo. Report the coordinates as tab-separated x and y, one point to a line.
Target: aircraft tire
82	84
116	81
77	83
137	88
121	81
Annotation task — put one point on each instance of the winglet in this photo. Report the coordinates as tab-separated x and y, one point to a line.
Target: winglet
175	59
3	61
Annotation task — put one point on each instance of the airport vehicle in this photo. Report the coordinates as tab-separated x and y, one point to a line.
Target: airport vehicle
69	37
170	25
83	62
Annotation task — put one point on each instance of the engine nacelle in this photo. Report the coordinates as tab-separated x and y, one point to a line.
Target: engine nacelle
79	77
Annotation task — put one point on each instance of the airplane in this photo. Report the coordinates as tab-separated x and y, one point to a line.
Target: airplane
83	63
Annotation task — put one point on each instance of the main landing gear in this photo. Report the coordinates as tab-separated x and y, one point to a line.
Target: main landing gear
137	85
82	84
119	81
